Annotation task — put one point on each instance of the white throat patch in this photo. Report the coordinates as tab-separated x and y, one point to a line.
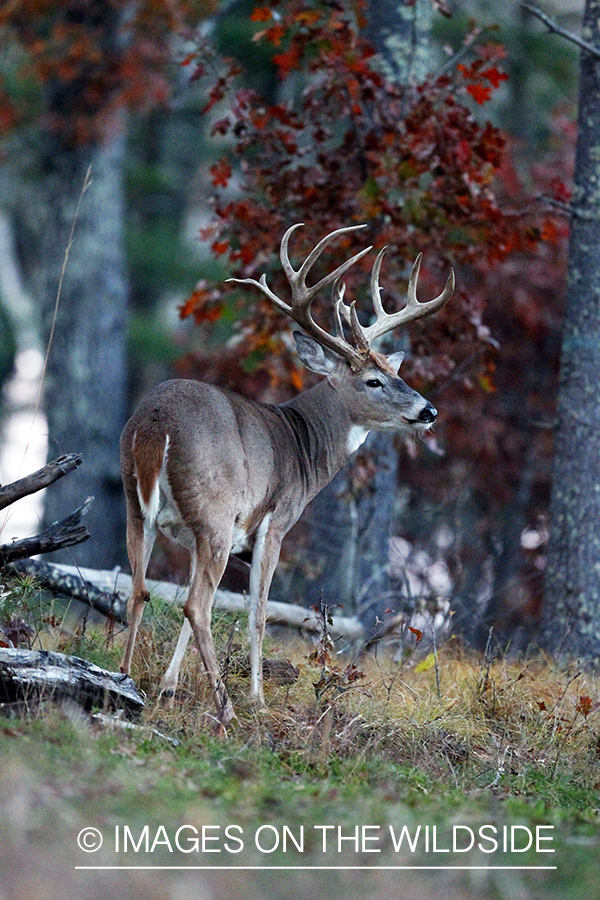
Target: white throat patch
356	437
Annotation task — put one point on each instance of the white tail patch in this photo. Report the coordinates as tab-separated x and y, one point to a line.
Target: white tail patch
151	507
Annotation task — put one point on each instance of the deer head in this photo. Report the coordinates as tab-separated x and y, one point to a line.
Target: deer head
369	380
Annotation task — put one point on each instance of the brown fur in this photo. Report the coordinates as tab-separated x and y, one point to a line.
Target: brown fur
148	455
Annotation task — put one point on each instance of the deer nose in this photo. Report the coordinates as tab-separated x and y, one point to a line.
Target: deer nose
428	414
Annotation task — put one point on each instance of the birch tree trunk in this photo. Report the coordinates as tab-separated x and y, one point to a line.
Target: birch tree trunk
571	614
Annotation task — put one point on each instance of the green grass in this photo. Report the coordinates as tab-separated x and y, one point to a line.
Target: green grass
503	743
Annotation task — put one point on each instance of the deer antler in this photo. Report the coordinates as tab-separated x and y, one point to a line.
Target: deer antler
303	295
383	321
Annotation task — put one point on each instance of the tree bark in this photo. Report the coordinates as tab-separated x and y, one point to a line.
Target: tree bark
401	34
85	386
571	614
41	674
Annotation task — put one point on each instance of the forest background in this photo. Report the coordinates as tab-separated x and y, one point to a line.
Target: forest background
210	129
455	135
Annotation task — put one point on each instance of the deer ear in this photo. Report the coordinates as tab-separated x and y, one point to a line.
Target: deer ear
313	356
396	359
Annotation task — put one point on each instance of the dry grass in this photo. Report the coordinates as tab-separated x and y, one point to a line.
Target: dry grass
477	738
479	721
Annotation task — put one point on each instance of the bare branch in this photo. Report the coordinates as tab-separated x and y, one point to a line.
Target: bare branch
10	493
554	27
65	533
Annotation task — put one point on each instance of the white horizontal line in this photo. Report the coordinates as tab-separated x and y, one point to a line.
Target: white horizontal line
327	868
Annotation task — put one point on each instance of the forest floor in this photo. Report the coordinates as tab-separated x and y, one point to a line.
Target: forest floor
463	777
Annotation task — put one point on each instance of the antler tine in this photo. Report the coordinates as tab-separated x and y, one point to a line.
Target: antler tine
375	289
412	310
301	293
263	286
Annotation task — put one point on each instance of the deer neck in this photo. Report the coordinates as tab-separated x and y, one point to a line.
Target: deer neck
326	435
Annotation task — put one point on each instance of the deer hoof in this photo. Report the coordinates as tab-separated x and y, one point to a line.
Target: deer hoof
167	698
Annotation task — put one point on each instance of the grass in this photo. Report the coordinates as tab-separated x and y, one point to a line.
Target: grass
486	741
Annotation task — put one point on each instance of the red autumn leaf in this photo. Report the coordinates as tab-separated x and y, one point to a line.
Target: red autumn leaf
479	93
418	634
560	191
275	35
307	17
494	76
550	231
297	380
584	706
288	61
261	14
221	173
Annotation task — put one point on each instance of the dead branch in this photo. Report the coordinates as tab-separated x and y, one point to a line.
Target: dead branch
554	27
64	533
10	493
288	614
109	603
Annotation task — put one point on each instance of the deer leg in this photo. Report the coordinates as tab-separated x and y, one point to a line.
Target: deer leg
169	681
140	541
198	612
264	561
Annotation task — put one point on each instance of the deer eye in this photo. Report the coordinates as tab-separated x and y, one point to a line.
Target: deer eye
374	383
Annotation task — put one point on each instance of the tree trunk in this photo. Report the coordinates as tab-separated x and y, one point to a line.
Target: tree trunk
85	386
401	34
571	615
346	560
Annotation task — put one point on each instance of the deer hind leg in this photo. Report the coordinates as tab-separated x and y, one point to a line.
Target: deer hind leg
140	541
265	555
210	565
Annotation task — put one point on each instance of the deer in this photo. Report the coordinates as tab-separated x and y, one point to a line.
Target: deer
219	473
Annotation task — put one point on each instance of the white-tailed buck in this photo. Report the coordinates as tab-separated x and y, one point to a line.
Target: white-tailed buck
217	472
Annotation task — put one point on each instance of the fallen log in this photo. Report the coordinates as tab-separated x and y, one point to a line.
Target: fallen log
27	675
48	576
64	533
45	476
289	614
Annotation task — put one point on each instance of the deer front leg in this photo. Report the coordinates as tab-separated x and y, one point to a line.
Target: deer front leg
264	561
170	680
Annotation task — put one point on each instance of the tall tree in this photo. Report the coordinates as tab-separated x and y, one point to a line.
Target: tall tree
89	61
571	615
351	520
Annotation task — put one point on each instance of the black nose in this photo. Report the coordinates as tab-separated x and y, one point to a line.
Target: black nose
428	414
